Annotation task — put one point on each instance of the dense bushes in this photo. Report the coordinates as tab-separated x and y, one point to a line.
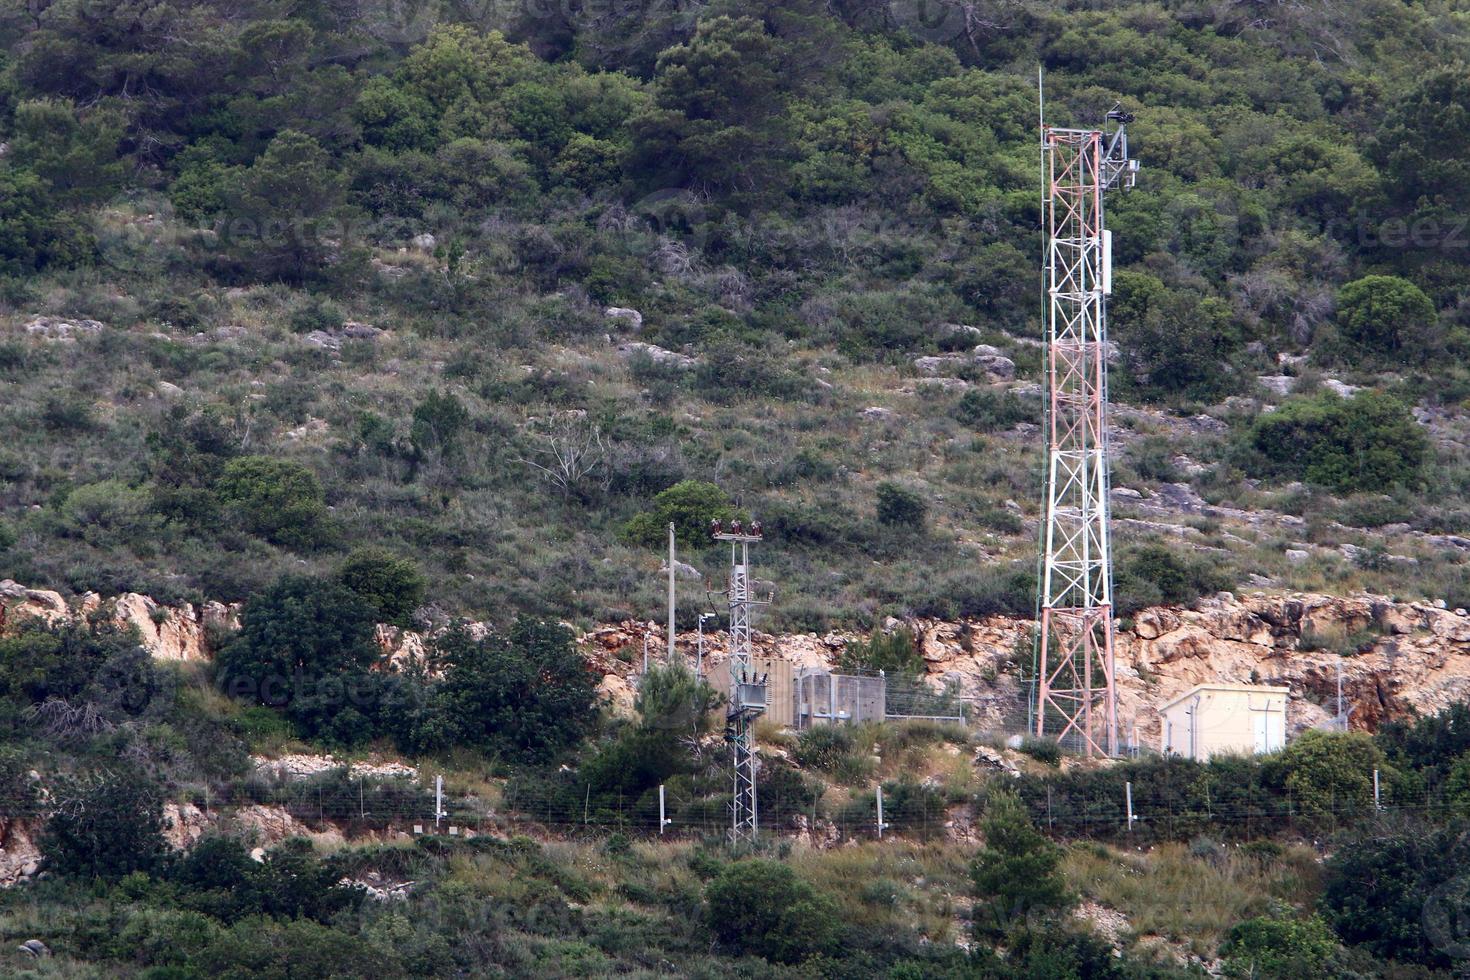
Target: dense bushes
275	498
306	647
900	507
690	505
1155	574
1369	442
762	907
1395	888
105	826
393	586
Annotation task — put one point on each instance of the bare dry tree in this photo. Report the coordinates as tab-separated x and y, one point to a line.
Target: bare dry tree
566	451
64	721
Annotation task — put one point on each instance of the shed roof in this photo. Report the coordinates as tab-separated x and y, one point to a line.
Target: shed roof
1224	688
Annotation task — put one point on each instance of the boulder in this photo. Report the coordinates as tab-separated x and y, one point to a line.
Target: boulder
55	328
19	602
626	315
936	364
997	366
659	356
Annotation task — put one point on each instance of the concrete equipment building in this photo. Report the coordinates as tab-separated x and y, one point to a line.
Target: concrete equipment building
1222	719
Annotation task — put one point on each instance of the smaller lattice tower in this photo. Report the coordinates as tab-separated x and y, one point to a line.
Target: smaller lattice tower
747	692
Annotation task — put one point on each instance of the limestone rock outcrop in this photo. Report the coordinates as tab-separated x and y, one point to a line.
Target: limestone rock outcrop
180	632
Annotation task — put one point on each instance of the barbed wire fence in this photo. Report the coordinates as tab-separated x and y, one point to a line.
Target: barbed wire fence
1138	813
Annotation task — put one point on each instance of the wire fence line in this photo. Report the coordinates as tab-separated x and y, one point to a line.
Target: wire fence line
1153	818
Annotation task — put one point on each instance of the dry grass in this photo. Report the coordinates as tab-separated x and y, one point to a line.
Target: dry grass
1188	899
893	886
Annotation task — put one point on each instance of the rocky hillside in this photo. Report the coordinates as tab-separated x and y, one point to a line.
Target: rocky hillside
1395	659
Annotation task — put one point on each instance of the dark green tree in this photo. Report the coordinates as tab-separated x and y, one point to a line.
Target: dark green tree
33	233
525	694
278	499
392	586
105	826
1017	876
717	124
762	907
285	213
305	645
1387	316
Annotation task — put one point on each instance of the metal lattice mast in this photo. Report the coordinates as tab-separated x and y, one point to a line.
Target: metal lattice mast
1076	700
747	692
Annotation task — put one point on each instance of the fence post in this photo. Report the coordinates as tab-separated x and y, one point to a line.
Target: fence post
438	801
1377	803
1128	802
881	825
662	820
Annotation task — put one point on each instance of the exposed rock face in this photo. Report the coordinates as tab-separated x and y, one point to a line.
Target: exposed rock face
20	602
1418	657
1401	658
167	633
19	856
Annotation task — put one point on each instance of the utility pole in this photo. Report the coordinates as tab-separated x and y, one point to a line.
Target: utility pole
747	692
1076	700
669	657
699	647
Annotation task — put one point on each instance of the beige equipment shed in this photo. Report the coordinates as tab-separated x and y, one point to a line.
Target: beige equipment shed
1220	719
780	691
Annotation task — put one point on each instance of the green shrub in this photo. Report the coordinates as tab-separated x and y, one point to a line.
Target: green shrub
525	693
762	907
317	313
1017	875
1279	949
1369	442
901	507
1387	315
991	410
1046	750
1395	887
1330	774
393	586
105	826
1154	574
691	505
305	645
280	500
824	746
893	652
784	792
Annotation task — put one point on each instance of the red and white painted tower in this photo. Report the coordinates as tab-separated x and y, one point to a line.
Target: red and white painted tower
1076	699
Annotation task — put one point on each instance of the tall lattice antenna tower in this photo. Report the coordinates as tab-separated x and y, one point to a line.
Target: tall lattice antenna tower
747	692
1076	700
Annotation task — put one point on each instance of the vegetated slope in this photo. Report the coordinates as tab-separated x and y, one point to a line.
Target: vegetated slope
278	285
